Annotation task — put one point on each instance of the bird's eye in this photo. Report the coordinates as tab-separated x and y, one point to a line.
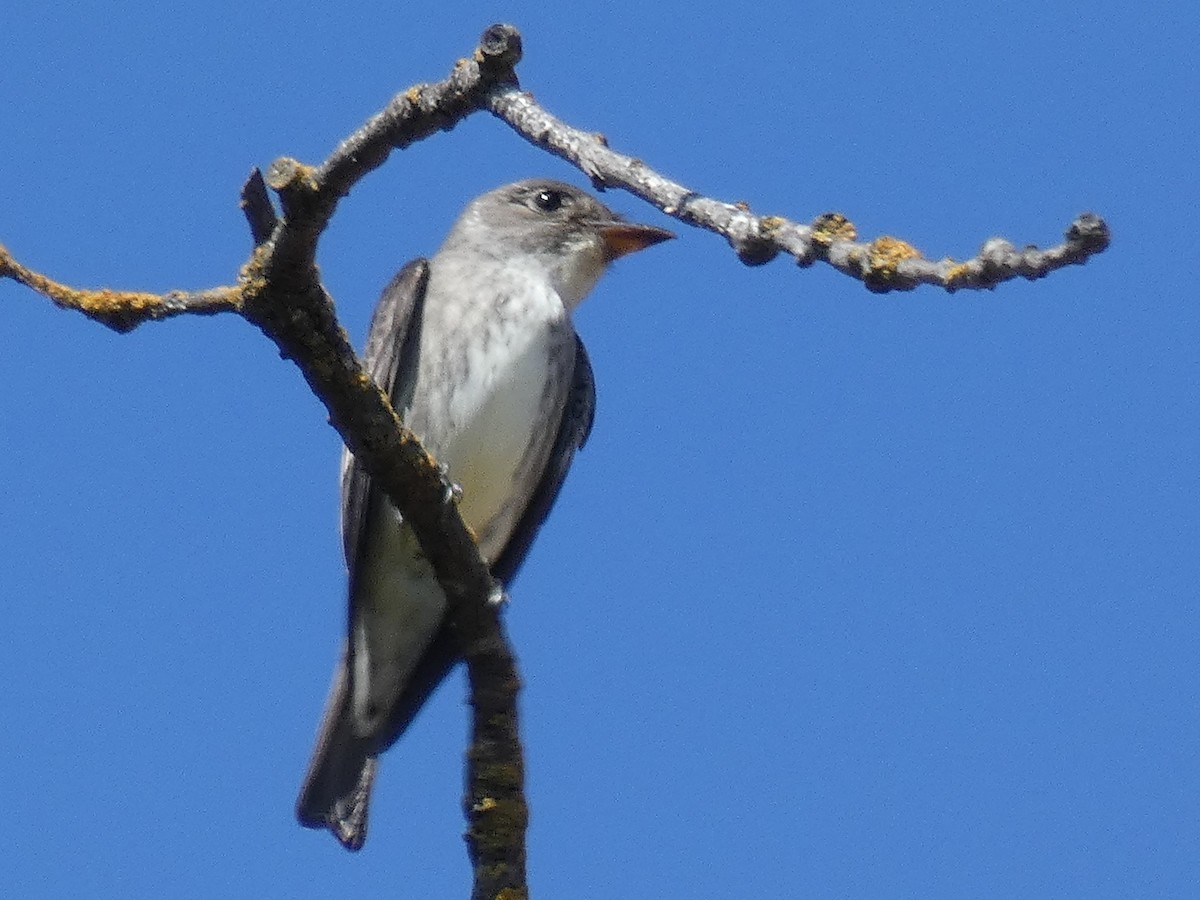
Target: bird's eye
548	201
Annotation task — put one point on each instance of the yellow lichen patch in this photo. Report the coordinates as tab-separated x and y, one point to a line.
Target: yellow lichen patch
307	175
287	174
105	302
101	304
120	310
487	804
251	277
506	821
768	225
413	94
885	253
956	274
833	227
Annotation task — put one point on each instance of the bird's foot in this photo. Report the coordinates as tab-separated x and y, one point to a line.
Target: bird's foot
498	595
453	491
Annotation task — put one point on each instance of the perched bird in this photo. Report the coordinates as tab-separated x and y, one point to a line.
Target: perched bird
478	353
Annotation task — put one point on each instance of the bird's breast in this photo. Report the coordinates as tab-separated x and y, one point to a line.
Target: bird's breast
490	397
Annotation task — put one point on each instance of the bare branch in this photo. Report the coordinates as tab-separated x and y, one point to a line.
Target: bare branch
256	205
310	195
884	264
122	311
285	298
279	290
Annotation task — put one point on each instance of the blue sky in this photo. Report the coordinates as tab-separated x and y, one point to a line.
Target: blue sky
848	596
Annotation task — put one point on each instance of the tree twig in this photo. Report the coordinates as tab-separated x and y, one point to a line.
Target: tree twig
121	311
883	264
279	290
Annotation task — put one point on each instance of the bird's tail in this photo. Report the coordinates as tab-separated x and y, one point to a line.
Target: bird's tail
337	787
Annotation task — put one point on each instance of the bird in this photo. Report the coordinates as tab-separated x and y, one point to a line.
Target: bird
477	351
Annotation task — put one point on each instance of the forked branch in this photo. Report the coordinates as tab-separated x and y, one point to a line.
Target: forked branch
279	290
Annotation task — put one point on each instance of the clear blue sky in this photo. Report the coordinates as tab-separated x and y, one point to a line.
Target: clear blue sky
848	596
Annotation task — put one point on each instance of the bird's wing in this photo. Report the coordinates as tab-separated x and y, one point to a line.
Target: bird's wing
442	654
337	786
389	359
573	431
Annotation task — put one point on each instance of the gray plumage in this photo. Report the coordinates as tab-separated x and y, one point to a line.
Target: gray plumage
477	351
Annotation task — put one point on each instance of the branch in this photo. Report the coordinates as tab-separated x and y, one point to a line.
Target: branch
121	311
287	301
279	290
884	264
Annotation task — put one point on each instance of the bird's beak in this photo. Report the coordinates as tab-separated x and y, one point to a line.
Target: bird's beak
621	238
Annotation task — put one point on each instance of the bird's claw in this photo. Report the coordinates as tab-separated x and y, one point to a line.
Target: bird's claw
497	596
453	491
